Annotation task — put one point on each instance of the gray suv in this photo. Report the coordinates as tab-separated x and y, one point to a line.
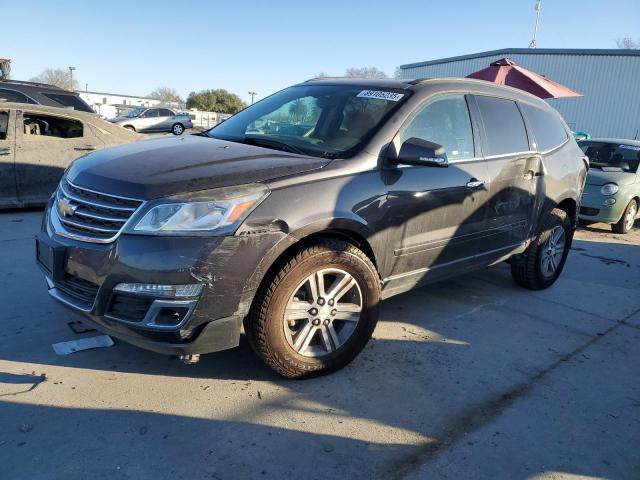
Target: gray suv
297	216
154	120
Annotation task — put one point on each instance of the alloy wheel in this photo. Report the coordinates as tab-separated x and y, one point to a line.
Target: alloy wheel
323	312
630	216
552	251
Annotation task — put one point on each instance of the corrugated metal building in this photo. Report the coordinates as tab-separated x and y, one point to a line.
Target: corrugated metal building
608	79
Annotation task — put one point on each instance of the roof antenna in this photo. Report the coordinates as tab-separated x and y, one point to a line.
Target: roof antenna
534	43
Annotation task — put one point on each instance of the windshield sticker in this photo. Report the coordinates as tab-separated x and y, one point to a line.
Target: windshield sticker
627	147
390	96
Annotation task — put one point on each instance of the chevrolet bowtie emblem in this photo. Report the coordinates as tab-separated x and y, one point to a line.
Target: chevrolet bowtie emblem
65	208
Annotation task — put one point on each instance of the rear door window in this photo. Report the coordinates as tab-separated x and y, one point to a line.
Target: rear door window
444	121
504	128
547	127
165	112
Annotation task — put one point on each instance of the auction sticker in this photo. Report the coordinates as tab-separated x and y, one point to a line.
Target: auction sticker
391	96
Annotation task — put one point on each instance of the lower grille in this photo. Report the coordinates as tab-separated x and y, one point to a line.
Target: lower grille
129	308
589	211
79	289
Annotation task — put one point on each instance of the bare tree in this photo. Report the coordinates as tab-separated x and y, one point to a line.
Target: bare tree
166	94
627	43
365	72
59	77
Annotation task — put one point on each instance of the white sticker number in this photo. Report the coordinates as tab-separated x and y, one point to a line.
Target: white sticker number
390	96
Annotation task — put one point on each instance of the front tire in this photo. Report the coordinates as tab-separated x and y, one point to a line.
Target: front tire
543	261
177	129
317	312
628	218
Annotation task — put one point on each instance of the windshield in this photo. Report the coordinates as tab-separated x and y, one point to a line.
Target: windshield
320	120
612	157
134	113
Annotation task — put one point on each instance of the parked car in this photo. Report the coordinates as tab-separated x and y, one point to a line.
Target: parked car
612	192
41	94
38	143
155	120
173	243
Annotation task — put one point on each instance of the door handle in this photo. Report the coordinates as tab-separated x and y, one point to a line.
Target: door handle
5	151
85	147
473	183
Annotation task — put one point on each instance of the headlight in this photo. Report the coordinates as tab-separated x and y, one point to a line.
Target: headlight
609	189
226	210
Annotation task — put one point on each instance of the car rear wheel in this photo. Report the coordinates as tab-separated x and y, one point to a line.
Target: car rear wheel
177	129
318	312
541	264
628	218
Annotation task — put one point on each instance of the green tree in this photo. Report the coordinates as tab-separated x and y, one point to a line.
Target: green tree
219	100
59	77
365	72
166	94
298	110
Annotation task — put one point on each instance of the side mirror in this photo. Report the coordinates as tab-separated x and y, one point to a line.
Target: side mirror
416	151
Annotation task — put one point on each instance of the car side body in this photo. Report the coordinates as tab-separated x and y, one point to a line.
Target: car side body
155	119
415	224
622	174
38	143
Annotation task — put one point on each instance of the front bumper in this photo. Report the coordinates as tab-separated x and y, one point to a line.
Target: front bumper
593	209
227	267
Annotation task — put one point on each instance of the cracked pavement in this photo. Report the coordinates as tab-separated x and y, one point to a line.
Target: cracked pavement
469	378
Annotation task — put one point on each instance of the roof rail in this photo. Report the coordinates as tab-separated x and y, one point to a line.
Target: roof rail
418	81
35	84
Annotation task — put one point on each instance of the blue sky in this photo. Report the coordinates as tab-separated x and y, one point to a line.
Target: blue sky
132	47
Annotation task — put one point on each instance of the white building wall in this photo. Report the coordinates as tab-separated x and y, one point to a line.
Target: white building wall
610	83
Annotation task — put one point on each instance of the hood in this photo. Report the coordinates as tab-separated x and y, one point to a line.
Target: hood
595	176
173	165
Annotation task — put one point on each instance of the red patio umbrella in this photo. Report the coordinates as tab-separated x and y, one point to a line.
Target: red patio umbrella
508	72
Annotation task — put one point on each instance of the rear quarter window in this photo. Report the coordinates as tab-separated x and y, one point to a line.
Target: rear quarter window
504	128
547	127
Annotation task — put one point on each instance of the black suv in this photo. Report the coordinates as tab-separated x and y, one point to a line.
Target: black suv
41	94
299	214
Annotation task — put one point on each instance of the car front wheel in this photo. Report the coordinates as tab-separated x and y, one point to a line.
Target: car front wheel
317	312
541	264
177	129
628	218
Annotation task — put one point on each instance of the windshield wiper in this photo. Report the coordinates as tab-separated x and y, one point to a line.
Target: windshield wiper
271	143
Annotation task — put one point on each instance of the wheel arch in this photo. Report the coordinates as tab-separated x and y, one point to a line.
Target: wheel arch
284	250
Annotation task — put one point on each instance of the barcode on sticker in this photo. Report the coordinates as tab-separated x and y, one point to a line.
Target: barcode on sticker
390	96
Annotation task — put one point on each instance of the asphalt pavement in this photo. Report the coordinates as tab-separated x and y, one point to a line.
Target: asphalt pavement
469	378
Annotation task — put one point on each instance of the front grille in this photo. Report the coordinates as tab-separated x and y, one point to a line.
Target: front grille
79	289
589	211
86	213
129	308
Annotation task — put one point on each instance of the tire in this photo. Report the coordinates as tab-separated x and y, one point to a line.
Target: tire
177	129
281	343
534	269
628	218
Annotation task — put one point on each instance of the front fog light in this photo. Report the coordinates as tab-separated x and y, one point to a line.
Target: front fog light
164	291
609	201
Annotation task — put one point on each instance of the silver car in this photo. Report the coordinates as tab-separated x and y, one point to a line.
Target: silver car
155	119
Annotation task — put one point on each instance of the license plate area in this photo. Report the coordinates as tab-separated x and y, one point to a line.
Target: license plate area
51	257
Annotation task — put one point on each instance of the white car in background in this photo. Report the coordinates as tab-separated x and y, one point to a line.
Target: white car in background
154	119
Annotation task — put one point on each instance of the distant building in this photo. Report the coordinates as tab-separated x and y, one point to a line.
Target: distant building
608	79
